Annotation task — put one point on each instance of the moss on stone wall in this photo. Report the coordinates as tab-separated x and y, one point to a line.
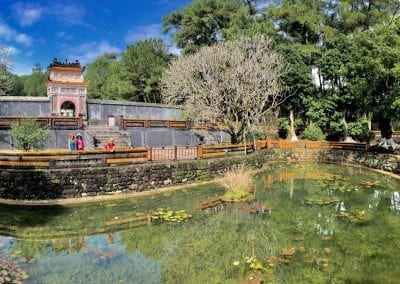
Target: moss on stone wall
30	184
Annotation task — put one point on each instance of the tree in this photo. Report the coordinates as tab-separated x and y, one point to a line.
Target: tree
144	63
356	15
35	84
233	84
29	134
300	25
117	85
297	84
17	86
201	22
374	74
97	73
5	65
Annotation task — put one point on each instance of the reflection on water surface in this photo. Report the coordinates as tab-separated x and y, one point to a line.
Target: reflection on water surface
319	223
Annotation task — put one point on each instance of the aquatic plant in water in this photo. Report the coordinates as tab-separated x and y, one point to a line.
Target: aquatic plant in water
11	271
356	216
238	183
170	215
326	200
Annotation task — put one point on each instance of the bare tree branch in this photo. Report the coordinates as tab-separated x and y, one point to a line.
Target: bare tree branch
230	83
5	65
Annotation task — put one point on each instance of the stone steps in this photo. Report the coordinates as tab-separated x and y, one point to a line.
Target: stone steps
104	132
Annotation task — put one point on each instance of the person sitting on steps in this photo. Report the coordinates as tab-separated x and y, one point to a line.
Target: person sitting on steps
110	145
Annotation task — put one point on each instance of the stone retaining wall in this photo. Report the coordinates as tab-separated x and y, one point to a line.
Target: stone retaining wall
34	184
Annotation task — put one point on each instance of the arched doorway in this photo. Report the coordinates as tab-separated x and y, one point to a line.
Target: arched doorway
67	109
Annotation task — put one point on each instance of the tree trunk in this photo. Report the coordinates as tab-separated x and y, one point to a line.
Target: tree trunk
347	137
292	131
385	127
368	118
234	138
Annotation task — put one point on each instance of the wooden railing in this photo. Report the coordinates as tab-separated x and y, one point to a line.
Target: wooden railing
395	134
212	151
284	144
173	153
67	158
55	122
120	156
147	123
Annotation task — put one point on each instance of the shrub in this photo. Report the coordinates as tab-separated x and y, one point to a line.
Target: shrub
29	134
313	132
238	183
283	127
239	179
359	130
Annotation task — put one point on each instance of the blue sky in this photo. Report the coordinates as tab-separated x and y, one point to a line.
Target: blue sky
38	31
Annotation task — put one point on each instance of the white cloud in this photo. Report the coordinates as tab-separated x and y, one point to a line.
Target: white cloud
27	13
23	39
9	34
145	32
89	51
70	14
64	35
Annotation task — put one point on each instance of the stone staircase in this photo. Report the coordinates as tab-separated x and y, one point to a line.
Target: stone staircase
205	136
104	132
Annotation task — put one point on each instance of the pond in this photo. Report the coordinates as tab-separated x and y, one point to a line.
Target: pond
308	223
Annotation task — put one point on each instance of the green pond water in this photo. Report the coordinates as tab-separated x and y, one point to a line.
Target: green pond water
320	224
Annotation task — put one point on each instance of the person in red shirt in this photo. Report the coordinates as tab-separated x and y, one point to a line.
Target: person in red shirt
110	145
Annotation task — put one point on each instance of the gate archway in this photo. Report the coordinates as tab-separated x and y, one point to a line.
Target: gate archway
68	109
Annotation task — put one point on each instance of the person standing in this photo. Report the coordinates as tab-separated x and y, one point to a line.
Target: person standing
79	142
71	142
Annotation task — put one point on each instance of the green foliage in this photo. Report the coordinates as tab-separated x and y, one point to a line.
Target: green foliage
17	86
107	78
300	20
237	196
298	123
360	131
29	134
283	127
255	134
35	84
313	132
144	62
201	22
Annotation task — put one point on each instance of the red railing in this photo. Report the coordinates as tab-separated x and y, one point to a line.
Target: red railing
56	122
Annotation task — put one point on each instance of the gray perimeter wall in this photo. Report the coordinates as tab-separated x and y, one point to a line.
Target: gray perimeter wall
57	139
24	106
99	110
139	137
161	137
